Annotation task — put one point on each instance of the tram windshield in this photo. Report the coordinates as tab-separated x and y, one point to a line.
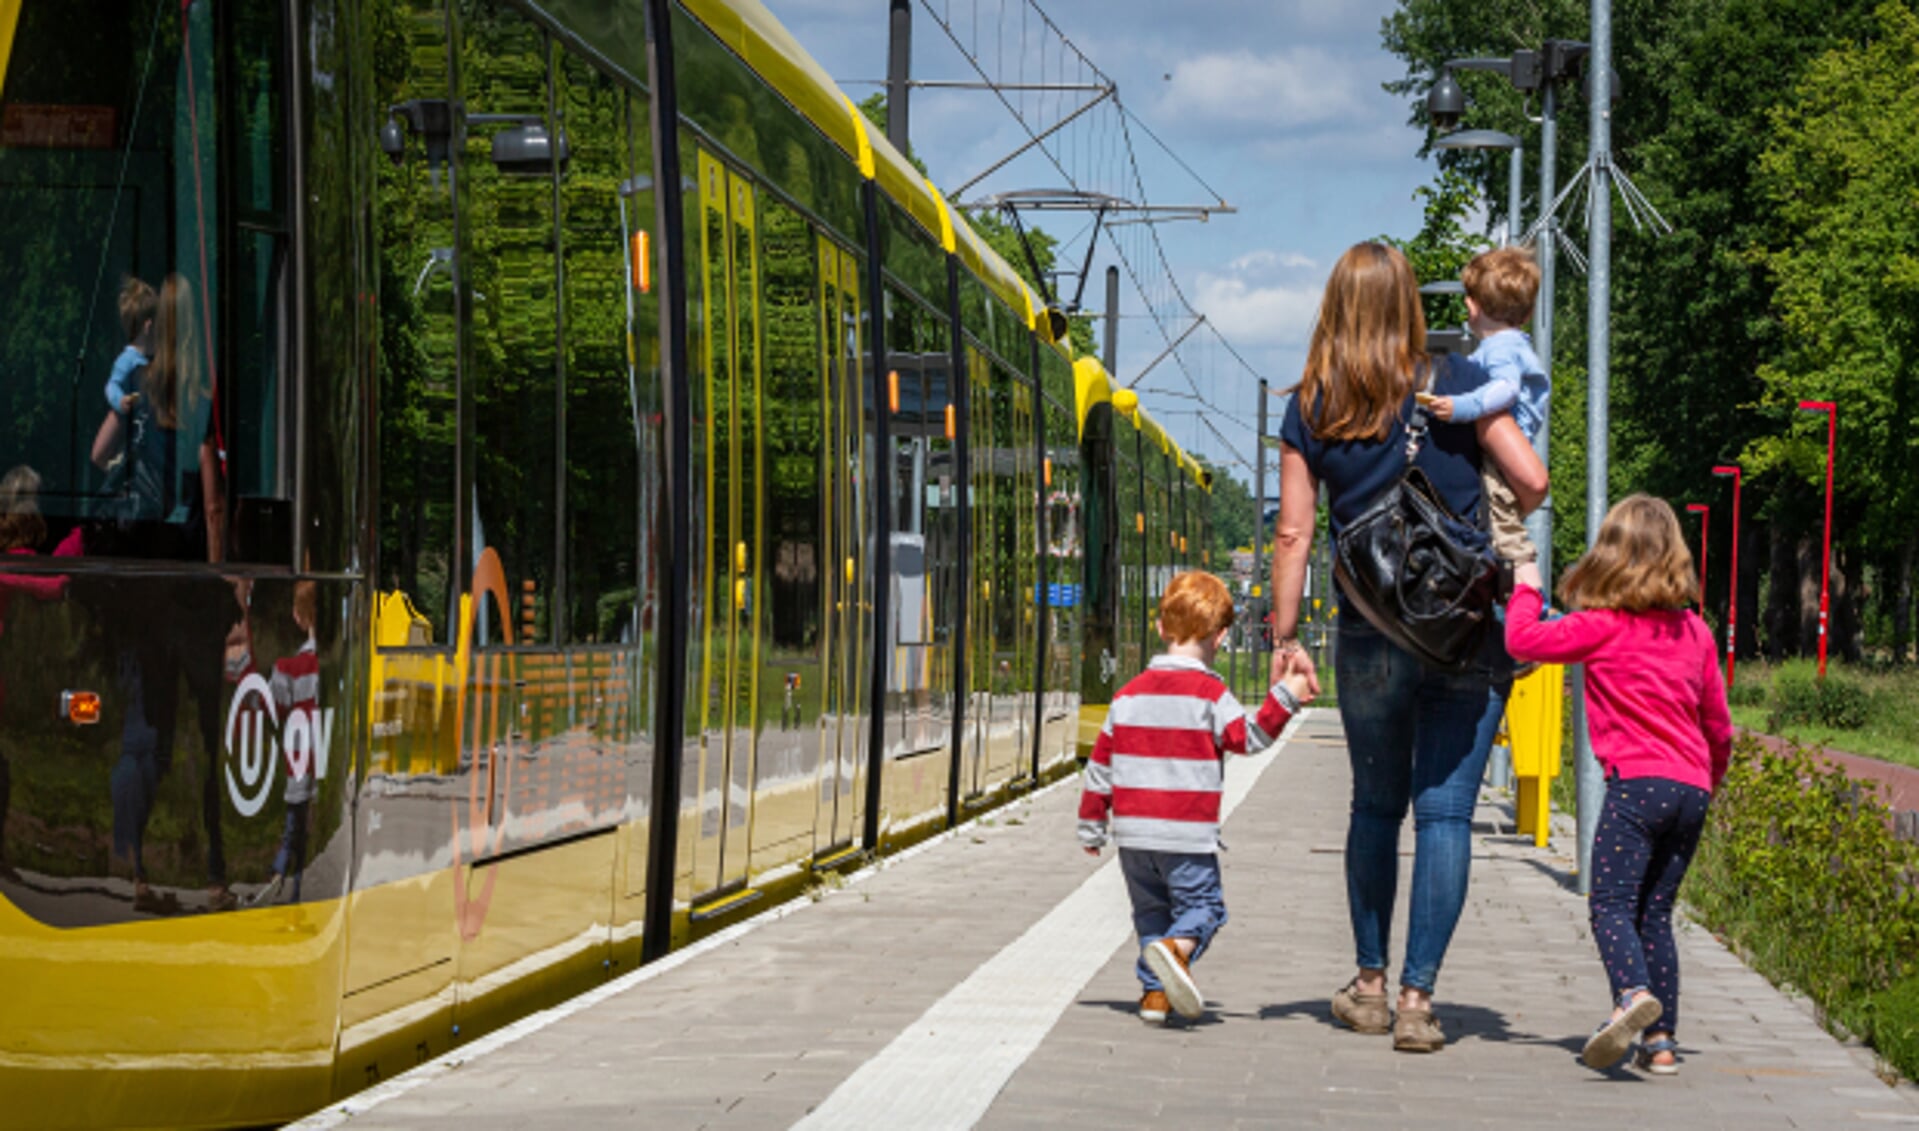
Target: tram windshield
143	273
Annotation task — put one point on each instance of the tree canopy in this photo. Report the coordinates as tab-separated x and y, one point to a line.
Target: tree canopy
1775	135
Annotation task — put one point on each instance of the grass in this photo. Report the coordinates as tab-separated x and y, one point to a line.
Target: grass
1891	732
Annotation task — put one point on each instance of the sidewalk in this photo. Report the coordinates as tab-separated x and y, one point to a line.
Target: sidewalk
987	980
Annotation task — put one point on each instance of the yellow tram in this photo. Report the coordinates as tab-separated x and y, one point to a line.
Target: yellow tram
563	483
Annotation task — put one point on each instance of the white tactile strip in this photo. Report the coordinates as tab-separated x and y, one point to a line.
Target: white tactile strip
946	1068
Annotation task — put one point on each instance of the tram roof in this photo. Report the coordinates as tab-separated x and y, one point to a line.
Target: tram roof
758	38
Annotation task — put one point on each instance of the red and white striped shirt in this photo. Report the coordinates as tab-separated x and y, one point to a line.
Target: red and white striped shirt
1155	773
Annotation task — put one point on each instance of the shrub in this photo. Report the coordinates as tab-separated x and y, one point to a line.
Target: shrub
1751	693
1800	868
1895	1028
1799	698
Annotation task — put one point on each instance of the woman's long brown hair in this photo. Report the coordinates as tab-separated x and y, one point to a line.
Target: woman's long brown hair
173	380
1638	562
1368	347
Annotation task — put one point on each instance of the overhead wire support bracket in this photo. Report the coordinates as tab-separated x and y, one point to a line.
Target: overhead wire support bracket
1641	211
1040	87
1033	139
1198	321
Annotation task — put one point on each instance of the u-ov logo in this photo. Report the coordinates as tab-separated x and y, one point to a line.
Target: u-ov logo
256	735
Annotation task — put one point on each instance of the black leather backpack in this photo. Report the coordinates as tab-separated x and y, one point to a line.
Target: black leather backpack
1423	576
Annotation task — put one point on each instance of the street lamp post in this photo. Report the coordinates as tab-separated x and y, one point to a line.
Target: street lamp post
1825	569
1493	139
1732	600
1705	522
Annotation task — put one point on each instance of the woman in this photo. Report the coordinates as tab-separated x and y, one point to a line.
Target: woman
1415	734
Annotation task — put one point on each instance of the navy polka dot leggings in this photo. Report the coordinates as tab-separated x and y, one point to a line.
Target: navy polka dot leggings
1646	837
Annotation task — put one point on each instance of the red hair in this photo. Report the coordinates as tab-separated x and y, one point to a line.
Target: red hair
1195	606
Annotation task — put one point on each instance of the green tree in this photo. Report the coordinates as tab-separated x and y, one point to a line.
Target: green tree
1443	246
1232	513
1840	172
1695	323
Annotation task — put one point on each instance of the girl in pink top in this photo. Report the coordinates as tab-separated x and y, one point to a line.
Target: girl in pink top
1656	708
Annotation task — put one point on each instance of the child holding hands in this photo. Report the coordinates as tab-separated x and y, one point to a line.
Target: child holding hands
1656	705
1154	779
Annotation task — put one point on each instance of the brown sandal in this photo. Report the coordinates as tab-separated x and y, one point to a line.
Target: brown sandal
1416	1030
1362	1012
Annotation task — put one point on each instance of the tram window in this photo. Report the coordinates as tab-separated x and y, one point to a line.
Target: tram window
508	284
914	258
755	124
419	354
795	446
142	184
612	395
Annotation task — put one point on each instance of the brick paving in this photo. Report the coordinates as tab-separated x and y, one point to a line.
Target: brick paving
760	1030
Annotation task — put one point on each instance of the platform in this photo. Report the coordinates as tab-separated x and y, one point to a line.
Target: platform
985	980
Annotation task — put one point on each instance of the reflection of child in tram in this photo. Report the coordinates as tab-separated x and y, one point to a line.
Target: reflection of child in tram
21	532
296	690
139	304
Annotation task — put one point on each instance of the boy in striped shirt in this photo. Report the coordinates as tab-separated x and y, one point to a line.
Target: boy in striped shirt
1155	776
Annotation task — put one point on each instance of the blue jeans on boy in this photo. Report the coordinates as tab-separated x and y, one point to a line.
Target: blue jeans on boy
1416	736
1647	834
1175	895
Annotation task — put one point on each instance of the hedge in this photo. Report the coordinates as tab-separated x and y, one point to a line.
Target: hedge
1800	870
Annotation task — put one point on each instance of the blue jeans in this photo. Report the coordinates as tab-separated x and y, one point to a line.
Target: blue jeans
1646	837
1416	736
1175	895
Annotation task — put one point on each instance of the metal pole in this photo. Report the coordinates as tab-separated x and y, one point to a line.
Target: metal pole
673	624
1539	524
1515	192
1825	567
1825	571
1592	783
1705	530
1732	595
899	71
1112	322
1259	518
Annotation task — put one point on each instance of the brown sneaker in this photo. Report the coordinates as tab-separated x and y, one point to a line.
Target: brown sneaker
1152	1007
1170	967
1363	1012
1415	1030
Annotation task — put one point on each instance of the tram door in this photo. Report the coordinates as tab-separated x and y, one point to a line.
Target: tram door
728	677
843	736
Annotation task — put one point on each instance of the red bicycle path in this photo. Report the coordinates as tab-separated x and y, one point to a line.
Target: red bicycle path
1899	785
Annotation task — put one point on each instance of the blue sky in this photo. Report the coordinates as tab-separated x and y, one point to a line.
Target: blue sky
1276	103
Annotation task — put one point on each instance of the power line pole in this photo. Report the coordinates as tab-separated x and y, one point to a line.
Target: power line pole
1539	524
899	72
1259	523
1592	785
1112	322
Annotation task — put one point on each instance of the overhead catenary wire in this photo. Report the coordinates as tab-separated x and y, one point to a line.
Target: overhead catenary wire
1072	115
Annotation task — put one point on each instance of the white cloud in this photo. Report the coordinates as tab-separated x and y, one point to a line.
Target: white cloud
1266	259
1277	315
1297	88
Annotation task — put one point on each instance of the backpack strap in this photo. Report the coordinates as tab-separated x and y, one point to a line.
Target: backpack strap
1422	419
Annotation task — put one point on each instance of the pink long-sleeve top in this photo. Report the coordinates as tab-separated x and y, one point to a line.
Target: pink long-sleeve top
1655	700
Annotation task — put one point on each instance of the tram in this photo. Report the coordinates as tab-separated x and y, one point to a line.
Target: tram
494	491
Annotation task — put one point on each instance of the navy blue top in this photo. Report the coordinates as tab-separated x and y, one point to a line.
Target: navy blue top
1354	471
